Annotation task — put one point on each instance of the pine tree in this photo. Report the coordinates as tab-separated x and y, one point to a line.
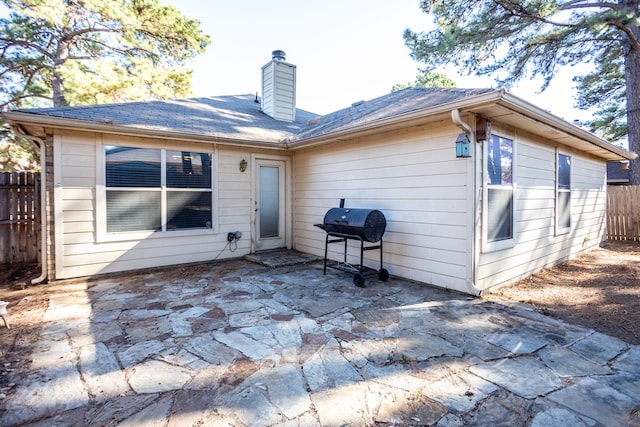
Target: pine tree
72	52
513	40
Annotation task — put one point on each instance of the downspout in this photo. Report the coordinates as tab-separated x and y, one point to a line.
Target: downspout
455	117
43	206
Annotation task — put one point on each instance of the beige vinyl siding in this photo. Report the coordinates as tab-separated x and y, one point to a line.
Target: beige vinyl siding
80	252
267	89
278	90
537	245
414	178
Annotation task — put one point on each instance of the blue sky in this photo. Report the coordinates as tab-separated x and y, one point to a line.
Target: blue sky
344	50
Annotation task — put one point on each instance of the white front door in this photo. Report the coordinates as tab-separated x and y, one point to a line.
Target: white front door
269	204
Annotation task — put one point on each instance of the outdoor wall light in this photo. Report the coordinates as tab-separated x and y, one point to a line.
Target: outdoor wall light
243	165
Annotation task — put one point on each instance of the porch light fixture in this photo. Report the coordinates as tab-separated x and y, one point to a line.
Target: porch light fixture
243	165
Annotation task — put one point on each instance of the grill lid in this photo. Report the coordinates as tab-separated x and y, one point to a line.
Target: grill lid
369	224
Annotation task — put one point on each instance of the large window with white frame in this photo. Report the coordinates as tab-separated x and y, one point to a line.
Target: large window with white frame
160	190
563	194
499	221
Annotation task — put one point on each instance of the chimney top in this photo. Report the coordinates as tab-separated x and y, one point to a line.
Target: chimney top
278	55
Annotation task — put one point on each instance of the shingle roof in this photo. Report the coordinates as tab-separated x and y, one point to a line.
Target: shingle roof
235	117
384	107
239	117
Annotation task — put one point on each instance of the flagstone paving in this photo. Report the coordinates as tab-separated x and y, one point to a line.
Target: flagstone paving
247	345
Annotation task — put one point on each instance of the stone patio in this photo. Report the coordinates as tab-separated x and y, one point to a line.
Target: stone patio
236	343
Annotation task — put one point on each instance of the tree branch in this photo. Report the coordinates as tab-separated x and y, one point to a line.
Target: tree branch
578	4
24	43
627	31
523	13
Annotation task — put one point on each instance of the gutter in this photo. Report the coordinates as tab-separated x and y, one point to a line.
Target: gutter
455	117
43	204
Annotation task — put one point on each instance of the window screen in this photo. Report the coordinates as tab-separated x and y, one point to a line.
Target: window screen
563	207
139	195
132	167
499	166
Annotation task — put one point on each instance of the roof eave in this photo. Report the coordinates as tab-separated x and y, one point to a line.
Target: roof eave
472	104
15	118
400	119
525	108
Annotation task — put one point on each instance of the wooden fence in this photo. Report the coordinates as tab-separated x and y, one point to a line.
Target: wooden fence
623	212
19	217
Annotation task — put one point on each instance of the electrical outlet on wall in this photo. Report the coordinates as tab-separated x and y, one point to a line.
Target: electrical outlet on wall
236	235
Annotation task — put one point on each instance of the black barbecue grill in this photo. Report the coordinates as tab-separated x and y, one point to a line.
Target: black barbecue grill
364	225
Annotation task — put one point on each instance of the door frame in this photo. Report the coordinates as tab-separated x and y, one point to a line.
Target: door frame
256	159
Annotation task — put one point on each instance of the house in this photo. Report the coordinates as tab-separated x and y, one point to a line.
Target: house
479	187
618	173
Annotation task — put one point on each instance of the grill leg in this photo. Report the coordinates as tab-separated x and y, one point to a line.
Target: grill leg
345	251
326	247
361	256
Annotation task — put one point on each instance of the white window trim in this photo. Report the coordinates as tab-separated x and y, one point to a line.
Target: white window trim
506	243
559	231
101	196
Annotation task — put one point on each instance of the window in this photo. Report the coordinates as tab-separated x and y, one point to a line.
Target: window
563	194
157	190
499	220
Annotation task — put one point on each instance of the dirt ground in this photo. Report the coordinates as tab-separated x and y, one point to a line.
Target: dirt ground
600	290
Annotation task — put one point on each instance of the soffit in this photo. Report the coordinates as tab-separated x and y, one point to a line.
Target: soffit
569	135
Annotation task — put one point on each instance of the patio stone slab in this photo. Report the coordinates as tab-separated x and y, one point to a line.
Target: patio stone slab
328	369
560	417
598	401
525	376
517	342
101	372
599	348
248	346
629	361
155	377
566	363
211	351
139	352
286	389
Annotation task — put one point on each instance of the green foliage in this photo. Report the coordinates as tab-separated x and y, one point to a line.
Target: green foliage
605	88
512	40
16	154
427	79
71	52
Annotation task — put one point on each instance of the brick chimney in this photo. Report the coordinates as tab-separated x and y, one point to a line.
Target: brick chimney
279	88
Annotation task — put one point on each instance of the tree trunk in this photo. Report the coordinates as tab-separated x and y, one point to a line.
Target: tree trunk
57	83
632	80
58	97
